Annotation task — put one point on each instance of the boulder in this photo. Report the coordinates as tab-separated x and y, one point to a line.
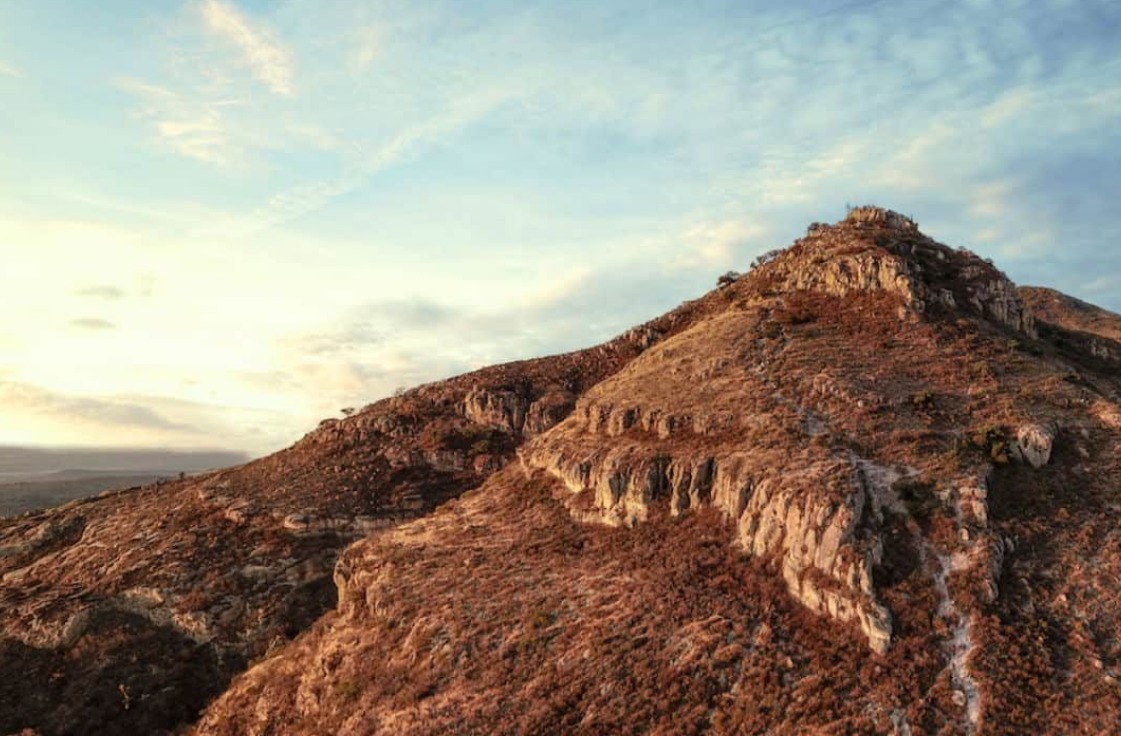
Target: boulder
1035	442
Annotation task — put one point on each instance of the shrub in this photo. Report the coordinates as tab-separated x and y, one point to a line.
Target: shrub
348	690
798	309
992	441
772	329
923	399
765	258
728	278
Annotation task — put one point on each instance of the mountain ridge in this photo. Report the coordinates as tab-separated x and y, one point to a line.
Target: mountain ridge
823	496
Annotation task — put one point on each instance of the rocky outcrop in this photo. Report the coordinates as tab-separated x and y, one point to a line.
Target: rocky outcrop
997	298
859	272
502	409
808	520
512	412
310	524
1035	442
547	411
875	249
826	564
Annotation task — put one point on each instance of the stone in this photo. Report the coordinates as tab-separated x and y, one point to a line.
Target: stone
1035	442
491	408
811	533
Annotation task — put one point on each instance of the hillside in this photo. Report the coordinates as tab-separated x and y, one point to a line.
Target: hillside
1064	311
868	487
127	612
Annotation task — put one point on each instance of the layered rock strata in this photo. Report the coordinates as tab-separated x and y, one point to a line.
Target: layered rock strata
625	452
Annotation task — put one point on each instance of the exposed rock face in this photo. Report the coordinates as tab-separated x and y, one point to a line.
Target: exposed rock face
1035	442
857	272
514	413
898	259
503	409
825	559
825	564
997	299
547	411
804	511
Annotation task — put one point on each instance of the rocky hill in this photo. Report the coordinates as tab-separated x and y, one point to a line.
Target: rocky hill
868	487
127	613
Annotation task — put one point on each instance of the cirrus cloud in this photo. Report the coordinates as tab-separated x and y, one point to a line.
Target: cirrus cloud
268	58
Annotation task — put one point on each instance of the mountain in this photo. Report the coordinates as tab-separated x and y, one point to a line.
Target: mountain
868	487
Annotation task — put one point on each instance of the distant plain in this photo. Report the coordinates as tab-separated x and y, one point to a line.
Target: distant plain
39	478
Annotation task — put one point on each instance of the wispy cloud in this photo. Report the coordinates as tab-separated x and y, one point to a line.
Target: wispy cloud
717	244
367	48
7	70
189	124
303	199
268	58
1007	107
92	323
102	291
210	107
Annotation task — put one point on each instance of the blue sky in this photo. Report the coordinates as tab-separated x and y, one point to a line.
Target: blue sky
222	221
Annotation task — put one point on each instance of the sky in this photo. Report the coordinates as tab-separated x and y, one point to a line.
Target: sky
221	222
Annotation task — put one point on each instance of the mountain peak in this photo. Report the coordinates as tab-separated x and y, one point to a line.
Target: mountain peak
874	249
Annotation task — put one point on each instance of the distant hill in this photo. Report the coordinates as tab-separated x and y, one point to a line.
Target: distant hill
24	463
40	478
23	496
